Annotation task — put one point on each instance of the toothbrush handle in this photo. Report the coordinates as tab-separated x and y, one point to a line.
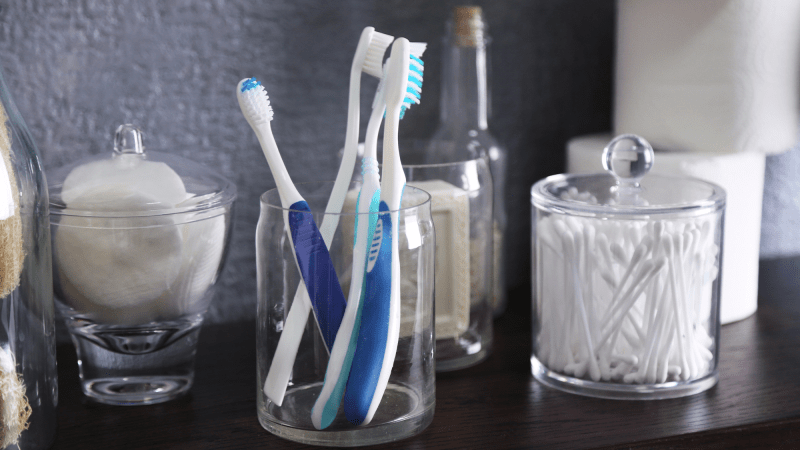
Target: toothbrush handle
366	374
285	354
283	361
319	275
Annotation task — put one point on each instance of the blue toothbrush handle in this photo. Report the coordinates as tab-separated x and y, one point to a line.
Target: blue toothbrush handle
319	275
375	317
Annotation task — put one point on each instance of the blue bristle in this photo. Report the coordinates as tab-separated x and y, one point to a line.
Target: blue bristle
251	83
415	84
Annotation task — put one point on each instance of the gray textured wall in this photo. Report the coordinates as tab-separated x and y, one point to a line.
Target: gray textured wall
780	218
79	68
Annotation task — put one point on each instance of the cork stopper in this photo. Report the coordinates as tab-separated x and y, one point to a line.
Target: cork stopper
468	26
11	253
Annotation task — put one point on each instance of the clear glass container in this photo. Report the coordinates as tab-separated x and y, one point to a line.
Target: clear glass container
463	132
626	279
28	380
461	204
407	404
139	241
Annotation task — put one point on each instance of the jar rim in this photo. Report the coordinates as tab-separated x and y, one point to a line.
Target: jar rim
542	197
267	203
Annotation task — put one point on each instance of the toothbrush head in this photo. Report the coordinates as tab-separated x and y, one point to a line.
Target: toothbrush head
415	70
396	75
373	60
404	75
254	102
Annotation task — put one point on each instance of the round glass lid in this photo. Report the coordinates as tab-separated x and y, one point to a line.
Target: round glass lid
626	187
130	182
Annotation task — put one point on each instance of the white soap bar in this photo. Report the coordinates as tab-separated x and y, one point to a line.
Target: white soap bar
450	211
742	177
714	76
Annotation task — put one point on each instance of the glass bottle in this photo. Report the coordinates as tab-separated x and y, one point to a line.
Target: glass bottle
28	385
463	132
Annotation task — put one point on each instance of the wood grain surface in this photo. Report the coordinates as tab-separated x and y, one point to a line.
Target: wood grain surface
496	404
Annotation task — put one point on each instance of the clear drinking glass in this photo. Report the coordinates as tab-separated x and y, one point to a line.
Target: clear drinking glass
407	405
461	205
28	380
139	240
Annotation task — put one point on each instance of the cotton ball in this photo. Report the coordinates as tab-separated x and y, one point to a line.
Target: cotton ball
203	250
155	180
117	263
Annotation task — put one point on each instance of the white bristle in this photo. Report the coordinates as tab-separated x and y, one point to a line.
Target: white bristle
417	48
373	61
254	103
378	100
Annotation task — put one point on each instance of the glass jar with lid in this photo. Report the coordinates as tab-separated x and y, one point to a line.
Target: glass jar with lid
139	240
626	279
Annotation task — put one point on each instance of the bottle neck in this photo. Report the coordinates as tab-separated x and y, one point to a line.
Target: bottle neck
465	88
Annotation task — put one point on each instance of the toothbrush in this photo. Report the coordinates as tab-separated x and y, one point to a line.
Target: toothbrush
311	254
327	405
368	56
380	321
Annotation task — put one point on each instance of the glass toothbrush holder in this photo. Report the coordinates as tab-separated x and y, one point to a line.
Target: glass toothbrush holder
407	405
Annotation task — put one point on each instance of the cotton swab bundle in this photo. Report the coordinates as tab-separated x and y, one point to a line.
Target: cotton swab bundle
626	301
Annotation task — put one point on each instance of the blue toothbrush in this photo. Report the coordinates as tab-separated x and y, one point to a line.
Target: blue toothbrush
330	398
380	318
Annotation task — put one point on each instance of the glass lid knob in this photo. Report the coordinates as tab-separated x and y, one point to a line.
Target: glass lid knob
128	140
629	157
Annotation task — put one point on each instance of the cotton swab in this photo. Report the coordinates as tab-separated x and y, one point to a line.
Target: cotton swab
622	301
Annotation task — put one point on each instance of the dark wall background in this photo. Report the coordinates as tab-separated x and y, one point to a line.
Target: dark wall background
78	69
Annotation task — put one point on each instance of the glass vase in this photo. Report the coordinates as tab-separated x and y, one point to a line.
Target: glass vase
28	384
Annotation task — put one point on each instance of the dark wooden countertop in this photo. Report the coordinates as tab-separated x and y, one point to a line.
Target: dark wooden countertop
494	405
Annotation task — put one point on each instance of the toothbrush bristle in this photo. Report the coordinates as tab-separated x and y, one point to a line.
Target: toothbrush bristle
373	61
376	102
415	71
254	101
417	48
250	83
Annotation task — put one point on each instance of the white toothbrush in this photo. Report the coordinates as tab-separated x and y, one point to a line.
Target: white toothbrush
380	321
327	405
311	253
368	58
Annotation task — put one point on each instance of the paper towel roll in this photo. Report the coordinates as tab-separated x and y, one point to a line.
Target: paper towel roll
716	76
742	177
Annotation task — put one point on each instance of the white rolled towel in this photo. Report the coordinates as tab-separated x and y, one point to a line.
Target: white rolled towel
712	76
